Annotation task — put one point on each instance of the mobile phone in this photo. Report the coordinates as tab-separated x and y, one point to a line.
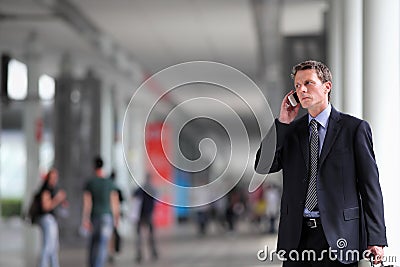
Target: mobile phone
294	99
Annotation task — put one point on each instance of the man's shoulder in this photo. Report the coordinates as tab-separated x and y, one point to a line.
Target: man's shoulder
91	182
349	120
92	179
300	122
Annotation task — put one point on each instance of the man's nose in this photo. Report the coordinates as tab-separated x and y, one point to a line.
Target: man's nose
303	88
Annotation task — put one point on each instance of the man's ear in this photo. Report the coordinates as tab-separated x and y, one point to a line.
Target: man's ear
328	86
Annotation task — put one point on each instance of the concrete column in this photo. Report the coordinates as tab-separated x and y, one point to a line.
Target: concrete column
136	150
335	50
352	57
107	126
77	139
32	120
124	179
267	16
381	103
68	161
1	130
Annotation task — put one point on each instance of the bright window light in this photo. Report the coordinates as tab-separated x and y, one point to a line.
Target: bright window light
46	87
17	80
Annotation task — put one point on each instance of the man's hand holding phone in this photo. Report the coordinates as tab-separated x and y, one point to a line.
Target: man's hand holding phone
288	112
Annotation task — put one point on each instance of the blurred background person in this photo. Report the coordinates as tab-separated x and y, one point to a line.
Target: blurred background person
272	197
51	197
100	213
116	240
203	212
258	204
233	209
145	197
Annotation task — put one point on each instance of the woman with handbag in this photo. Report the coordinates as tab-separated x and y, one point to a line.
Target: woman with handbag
50	197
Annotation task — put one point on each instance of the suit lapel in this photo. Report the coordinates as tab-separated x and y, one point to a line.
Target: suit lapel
303	135
331	134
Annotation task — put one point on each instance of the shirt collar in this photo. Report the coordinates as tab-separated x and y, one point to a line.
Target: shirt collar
323	117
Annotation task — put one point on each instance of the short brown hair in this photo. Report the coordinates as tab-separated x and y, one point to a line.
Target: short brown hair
323	72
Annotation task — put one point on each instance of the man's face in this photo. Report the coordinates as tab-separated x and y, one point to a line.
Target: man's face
312	92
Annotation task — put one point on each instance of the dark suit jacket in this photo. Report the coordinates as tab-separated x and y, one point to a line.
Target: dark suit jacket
349	193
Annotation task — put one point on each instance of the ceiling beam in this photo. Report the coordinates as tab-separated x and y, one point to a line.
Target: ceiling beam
121	59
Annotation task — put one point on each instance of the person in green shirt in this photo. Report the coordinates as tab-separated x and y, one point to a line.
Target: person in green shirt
100	213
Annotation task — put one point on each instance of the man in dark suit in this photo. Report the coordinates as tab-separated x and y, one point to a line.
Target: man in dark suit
331	202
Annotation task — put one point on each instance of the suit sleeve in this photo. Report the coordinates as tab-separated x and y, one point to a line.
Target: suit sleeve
268	157
368	183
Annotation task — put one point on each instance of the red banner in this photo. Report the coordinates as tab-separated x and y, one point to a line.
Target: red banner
158	147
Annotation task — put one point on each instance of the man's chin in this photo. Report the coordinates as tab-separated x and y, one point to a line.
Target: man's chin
304	105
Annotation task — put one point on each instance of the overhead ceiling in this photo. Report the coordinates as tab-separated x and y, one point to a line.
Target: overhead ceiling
162	33
156	33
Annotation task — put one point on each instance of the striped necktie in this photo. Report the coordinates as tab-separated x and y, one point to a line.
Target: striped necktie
311	199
